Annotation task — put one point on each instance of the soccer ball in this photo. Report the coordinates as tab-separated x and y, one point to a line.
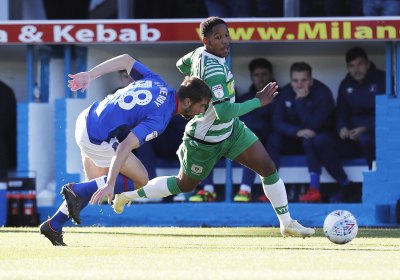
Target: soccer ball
340	226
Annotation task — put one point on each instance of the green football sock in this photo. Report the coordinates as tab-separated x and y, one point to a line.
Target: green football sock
156	188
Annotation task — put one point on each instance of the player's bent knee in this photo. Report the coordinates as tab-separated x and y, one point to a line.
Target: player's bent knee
141	182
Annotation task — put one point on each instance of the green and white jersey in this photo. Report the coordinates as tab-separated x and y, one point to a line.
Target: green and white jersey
214	71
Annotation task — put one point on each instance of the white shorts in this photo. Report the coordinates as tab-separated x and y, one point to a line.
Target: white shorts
101	154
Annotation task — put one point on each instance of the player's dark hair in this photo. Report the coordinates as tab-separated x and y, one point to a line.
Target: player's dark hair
207	25
300	67
354	53
260	63
194	89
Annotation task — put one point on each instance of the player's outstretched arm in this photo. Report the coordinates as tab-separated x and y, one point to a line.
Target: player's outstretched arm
81	81
226	110
268	93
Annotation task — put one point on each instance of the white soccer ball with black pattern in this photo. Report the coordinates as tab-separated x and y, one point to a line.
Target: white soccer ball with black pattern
340	226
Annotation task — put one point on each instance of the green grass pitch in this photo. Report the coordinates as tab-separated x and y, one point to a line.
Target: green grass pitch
196	253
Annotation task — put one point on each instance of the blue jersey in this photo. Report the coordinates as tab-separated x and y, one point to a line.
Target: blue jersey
144	107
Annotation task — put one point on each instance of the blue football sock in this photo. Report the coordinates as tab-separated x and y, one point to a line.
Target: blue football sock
59	219
88	188
314	180
123	184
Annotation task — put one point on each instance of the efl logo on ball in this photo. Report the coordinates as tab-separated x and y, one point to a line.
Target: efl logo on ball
340	226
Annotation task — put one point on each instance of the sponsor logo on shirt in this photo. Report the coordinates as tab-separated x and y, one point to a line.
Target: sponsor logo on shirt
151	136
218	91
288	104
114	143
196	169
231	87
349	90
373	88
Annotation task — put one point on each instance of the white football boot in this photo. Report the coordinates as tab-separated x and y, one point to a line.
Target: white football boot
294	228
119	202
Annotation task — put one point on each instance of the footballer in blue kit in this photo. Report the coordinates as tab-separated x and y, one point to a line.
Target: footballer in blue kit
108	130
144	107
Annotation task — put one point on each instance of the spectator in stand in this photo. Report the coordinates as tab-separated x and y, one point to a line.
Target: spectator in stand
304	116
259	121
8	130
269	8
311	8
230	8
67	9
343	8
355	109
381	7
169	9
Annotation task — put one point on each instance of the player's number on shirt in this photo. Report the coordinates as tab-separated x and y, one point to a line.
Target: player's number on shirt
138	94
129	99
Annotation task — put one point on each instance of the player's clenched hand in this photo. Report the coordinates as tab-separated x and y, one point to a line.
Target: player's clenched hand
79	81
101	193
268	93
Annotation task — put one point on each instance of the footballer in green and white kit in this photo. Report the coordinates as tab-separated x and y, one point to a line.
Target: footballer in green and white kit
218	132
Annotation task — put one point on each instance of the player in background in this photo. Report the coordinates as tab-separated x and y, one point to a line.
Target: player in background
259	121
355	109
108	130
218	132
304	122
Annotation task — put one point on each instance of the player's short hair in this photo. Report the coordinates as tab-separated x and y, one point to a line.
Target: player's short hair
300	67
354	53
195	89
260	63
207	25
